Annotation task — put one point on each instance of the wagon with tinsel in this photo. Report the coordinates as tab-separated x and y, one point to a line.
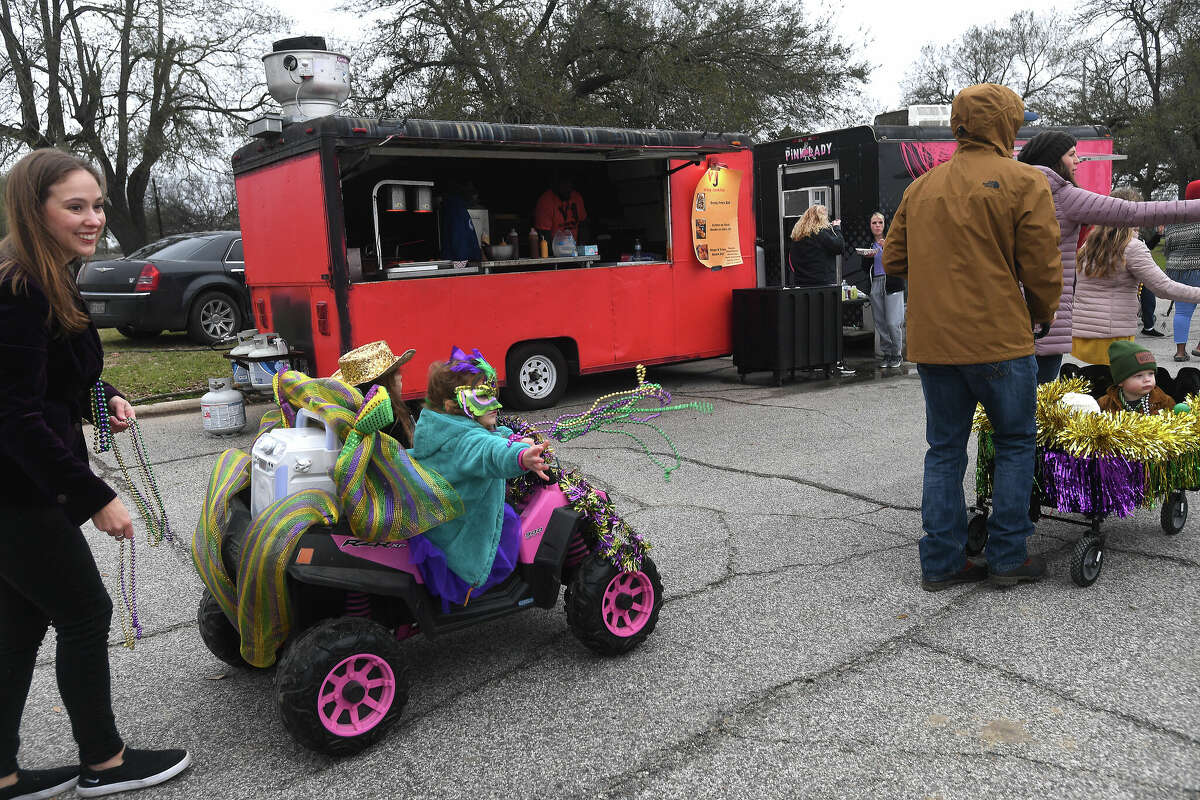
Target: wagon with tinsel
1095	465
327	581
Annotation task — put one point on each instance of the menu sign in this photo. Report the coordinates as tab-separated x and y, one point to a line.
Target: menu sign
715	218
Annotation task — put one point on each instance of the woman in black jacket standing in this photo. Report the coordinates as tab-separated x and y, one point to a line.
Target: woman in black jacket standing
50	365
816	244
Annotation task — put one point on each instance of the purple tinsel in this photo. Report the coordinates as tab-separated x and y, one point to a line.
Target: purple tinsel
1093	484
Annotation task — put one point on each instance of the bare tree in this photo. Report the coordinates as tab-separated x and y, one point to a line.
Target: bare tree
1140	80
715	64
1030	53
132	84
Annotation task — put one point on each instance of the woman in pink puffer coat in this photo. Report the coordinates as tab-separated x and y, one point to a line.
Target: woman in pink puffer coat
1054	153
1112	262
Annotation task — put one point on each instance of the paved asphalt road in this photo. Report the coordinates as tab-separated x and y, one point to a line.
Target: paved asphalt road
796	655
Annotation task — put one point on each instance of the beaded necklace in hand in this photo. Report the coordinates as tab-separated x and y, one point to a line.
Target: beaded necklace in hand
154	514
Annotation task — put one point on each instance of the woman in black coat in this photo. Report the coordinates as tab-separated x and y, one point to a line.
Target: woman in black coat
50	365
816	244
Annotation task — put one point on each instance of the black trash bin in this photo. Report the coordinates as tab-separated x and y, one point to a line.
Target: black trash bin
781	330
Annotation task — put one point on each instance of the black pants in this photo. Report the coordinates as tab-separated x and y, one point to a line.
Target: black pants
48	576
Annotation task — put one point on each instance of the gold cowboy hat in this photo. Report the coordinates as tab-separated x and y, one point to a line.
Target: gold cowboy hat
365	364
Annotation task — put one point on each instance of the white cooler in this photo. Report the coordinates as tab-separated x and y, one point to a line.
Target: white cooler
287	460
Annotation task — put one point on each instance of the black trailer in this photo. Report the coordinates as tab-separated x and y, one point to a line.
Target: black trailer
857	171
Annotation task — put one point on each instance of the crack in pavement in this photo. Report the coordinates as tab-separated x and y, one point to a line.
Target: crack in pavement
1028	681
674	754
856	745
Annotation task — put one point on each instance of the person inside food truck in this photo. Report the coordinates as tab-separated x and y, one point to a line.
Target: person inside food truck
560	208
460	242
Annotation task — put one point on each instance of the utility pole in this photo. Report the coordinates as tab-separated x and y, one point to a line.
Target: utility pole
157	207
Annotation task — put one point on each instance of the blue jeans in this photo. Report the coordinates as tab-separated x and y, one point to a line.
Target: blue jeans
1048	368
1007	390
1183	311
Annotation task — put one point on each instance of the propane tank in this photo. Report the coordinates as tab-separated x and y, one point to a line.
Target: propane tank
222	408
241	369
262	368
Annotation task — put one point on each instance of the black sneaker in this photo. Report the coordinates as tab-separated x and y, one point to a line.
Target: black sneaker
1152	332
971	573
142	768
38	784
1033	569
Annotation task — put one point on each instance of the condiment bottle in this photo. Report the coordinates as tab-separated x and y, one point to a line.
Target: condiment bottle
513	238
533	243
543	248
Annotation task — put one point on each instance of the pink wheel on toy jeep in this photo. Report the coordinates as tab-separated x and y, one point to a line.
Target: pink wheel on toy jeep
356	695
627	603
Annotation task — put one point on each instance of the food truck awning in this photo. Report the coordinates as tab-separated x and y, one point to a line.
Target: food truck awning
436	137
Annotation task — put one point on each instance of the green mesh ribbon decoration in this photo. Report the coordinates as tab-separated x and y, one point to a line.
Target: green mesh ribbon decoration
230	475
264	605
386	495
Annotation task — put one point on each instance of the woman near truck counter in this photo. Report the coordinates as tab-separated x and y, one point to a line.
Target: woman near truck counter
1112	262
816	244
1053	152
887	299
50	361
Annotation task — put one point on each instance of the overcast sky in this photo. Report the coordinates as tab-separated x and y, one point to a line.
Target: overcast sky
892	32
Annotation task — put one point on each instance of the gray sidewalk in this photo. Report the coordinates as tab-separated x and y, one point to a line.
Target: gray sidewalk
796	655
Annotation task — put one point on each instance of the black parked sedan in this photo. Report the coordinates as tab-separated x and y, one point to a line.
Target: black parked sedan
192	282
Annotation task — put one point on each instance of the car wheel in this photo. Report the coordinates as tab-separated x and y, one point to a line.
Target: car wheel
610	611
341	685
130	332
536	374
214	317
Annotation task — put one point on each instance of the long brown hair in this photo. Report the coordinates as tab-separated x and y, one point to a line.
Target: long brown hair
29	252
1103	252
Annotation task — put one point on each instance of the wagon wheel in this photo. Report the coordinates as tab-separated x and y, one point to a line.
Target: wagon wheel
1174	513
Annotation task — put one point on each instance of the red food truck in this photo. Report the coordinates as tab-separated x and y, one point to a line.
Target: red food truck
349	229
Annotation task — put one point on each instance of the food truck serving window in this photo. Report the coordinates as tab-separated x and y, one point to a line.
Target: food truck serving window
413	212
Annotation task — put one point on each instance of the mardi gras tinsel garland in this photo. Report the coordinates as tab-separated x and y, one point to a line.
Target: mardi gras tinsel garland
1102	463
603	529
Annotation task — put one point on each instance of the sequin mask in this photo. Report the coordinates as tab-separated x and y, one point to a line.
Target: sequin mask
476	401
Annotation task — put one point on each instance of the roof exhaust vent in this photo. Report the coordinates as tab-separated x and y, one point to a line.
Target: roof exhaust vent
929	116
305	78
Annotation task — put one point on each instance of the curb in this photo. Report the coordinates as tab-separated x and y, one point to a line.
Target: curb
185	406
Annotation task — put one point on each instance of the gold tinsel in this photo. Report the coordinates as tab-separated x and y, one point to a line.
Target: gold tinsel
1149	438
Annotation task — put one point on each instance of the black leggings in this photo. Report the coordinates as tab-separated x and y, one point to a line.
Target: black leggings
48	576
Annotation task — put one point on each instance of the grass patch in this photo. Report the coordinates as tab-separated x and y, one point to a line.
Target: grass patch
166	367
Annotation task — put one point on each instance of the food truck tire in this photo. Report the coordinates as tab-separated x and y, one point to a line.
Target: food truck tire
537	375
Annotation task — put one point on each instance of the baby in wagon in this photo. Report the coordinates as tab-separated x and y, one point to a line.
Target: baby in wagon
1134	387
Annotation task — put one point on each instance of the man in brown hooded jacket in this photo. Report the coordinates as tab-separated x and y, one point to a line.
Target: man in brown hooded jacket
977	239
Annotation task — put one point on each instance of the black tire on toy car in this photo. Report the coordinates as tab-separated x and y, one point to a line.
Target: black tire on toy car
218	633
1087	559
1174	513
977	534
612	612
341	685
